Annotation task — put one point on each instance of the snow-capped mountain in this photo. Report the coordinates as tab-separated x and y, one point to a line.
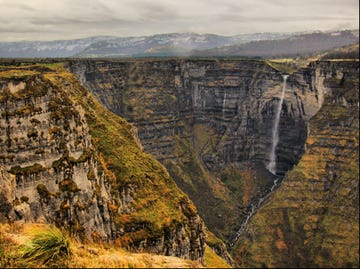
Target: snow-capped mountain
51	49
167	44
295	45
181	44
109	46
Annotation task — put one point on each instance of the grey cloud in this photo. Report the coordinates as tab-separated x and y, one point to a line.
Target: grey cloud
10	28
45	19
158	12
77	21
16	6
266	19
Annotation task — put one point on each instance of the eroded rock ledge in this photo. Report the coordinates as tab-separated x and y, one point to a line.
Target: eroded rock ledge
75	164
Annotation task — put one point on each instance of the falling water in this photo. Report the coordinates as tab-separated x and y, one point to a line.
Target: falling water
253	210
275	131
271	167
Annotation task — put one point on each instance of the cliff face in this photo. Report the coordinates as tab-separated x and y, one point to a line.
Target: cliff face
312	220
7	195
81	167
210	122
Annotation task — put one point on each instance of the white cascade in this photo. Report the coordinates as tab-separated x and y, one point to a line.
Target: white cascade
271	167
275	131
254	208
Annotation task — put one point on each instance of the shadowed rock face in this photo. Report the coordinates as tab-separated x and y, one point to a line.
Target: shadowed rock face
7	195
210	122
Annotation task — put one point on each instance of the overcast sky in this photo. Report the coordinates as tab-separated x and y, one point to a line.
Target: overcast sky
66	19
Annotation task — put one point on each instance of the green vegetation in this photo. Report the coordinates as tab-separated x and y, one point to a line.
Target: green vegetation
48	247
66	160
43	246
16	73
28	170
212	260
32	134
190	169
43	191
68	185
212	240
24	199
285	67
233	181
347	52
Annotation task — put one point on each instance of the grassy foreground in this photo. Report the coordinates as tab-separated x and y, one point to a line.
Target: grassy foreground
41	245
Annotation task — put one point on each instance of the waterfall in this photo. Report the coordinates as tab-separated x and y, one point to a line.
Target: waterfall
275	131
271	167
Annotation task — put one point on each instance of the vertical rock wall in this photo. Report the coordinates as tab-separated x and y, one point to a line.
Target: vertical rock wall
209	122
75	164
312	220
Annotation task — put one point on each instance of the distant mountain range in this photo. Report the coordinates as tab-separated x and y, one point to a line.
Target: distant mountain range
181	44
296	45
43	49
168	44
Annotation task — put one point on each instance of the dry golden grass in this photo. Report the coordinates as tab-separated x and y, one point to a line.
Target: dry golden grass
14	237
105	257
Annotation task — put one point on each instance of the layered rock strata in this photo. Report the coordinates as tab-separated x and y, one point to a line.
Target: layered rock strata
81	167
210	122
312	220
7	196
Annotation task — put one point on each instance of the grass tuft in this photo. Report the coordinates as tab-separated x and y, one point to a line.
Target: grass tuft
48	247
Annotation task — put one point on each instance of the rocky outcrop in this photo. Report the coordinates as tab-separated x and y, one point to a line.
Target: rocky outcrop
209	122
312	220
81	167
7	196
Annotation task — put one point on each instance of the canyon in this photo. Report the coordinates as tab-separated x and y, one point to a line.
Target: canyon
209	123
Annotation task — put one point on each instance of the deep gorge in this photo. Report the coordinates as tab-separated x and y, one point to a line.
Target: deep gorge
209	122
